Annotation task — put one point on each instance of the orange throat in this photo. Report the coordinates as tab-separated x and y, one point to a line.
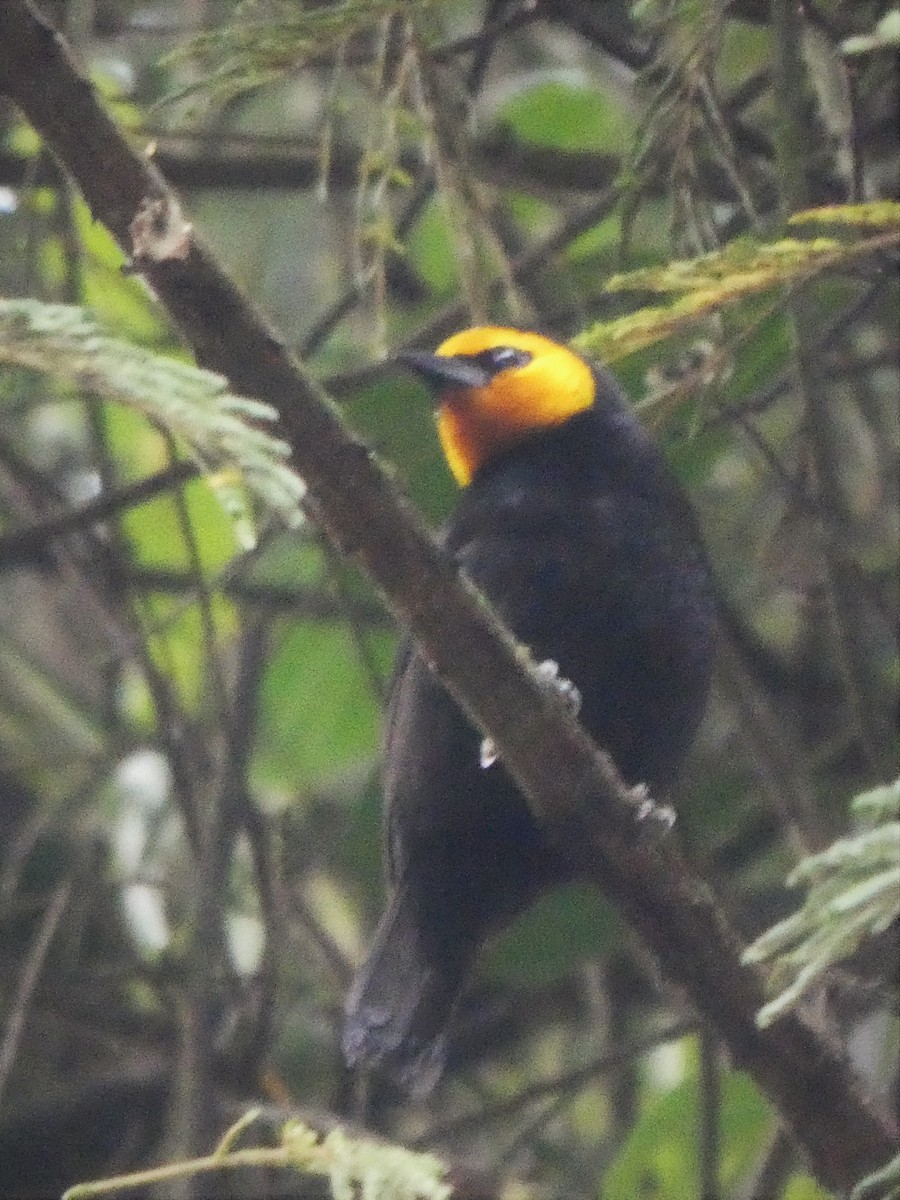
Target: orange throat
468	436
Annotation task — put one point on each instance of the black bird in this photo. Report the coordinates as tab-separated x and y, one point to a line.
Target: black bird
572	525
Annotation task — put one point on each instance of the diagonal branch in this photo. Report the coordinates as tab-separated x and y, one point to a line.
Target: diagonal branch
573	788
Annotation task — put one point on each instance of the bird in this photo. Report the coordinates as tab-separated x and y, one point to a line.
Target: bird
573	526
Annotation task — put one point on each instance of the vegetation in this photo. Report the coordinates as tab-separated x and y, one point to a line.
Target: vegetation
191	675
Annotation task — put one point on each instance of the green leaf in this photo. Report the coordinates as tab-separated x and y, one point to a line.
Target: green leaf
567	116
659	1161
565	927
155	533
431	251
801	1187
176	633
318	715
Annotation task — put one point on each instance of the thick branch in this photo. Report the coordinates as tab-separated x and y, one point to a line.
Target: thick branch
280	163
573	787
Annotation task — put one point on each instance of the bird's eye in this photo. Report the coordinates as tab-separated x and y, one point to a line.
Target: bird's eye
501	358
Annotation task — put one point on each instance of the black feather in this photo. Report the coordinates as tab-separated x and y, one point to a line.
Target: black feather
585	544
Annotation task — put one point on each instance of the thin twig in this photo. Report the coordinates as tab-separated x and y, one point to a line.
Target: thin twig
28	979
767	1179
28	543
567	1082
709	1133
303	603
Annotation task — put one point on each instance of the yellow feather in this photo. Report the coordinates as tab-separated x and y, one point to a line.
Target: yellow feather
474	424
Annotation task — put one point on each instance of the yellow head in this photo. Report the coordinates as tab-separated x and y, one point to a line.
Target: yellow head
495	386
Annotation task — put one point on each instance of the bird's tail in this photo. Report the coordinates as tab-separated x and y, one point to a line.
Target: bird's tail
403	998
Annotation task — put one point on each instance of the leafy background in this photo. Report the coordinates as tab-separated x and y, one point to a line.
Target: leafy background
376	175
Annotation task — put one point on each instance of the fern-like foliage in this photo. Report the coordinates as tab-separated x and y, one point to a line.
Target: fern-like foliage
853	893
368	46
225	433
685	130
356	1168
745	267
874	214
884	37
267	39
882	1185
